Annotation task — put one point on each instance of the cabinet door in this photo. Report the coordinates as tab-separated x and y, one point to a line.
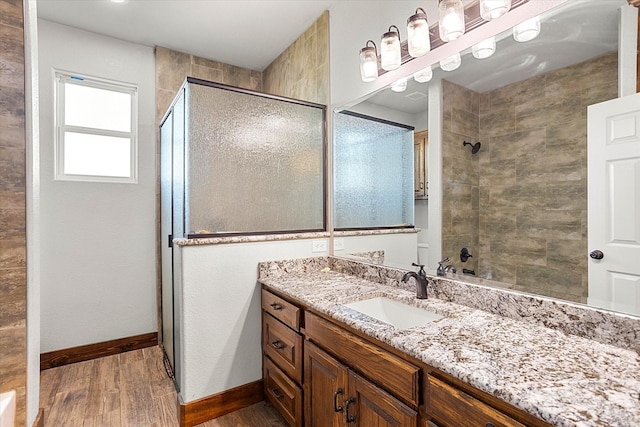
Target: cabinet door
369	406
419	164
325	389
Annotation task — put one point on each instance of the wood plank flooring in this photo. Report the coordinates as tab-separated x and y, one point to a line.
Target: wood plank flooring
127	390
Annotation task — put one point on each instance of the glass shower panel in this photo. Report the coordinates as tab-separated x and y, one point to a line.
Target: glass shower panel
373	173
255	164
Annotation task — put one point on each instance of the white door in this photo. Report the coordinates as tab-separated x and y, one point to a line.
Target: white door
614	204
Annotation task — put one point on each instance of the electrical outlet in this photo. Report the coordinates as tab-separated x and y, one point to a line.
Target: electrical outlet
338	244
319	246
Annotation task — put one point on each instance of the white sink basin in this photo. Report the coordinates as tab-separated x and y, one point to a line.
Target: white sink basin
395	313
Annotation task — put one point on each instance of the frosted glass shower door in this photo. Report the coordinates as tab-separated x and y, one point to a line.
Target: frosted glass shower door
255	164
373	173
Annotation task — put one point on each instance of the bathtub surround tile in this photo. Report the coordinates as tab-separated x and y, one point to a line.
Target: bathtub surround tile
497	122
460	173
537	169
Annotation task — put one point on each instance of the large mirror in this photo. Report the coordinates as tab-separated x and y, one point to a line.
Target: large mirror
517	201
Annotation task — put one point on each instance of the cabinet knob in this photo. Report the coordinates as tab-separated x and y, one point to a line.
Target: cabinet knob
489	425
275	306
277	393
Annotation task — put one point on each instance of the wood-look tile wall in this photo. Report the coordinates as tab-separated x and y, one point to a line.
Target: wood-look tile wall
13	282
532	177
172	67
302	70
460	174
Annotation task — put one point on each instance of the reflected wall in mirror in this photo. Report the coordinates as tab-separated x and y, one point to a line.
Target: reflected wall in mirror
519	204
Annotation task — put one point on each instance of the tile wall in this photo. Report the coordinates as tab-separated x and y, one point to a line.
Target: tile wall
302	70
531	172
13	282
460	174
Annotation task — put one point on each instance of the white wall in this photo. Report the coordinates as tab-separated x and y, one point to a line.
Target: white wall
98	239
400	250
221	326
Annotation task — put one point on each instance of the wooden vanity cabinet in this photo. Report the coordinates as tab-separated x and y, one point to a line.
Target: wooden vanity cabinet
351	381
282	356
336	396
449	406
320	373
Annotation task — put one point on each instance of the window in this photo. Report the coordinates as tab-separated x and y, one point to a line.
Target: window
96	130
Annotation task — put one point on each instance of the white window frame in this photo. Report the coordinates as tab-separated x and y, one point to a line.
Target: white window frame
62	77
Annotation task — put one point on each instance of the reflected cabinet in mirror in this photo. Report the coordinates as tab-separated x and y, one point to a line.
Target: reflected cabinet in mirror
512	154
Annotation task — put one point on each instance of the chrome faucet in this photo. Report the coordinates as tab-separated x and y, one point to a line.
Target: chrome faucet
421	280
442	269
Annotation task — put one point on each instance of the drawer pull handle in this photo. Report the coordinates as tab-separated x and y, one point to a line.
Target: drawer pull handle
277	393
337	408
278	345
489	425
350	418
275	306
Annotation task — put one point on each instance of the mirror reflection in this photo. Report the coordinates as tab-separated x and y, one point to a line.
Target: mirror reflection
513	152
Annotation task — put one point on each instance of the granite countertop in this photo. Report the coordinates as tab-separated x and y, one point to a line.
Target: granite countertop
563	379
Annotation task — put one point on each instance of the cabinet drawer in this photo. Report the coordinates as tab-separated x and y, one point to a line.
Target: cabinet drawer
283	393
283	346
451	407
383	368
282	310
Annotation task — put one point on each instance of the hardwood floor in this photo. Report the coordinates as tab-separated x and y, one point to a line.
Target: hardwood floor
128	389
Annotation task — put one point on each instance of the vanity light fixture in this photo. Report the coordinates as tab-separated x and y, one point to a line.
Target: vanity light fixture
369	62
423	75
528	30
118	1
451	63
390	55
451	19
494	9
484	49
399	86
418	39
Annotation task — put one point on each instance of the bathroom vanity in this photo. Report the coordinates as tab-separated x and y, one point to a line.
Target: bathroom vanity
326	364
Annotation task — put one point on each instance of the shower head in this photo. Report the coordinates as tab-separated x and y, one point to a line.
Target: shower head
474	147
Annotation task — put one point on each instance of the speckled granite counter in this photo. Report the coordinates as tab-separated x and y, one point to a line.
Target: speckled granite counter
563	379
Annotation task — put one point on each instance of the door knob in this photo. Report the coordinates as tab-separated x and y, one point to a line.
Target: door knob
596	254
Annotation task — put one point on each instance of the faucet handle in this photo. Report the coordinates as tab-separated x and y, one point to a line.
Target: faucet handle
421	271
446	259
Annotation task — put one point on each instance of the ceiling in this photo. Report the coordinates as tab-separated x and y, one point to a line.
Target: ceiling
252	33
244	33
585	29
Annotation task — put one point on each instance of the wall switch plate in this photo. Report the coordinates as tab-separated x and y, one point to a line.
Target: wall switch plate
319	246
338	244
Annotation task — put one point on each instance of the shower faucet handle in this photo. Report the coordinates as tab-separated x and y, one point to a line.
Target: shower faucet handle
465	255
